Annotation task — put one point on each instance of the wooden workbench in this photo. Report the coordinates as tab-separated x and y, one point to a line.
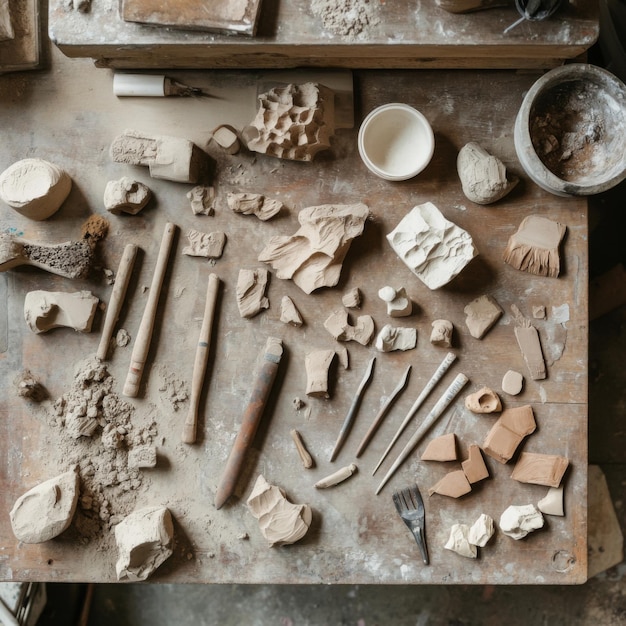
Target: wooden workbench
355	537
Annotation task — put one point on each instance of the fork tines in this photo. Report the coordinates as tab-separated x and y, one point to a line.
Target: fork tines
410	507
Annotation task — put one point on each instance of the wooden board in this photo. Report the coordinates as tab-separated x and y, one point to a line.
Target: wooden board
356	537
22	51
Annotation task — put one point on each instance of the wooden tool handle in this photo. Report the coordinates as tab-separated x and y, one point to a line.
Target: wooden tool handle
144	334
202	357
118	294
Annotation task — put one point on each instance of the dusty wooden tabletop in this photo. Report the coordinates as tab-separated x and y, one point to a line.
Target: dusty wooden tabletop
356	537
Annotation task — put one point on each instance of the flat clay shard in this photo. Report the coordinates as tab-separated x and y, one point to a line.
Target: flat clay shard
441	449
481	531
454	485
293	122
312	257
507	433
208	245
433	248
251	286
46	510
540	469
254	204
534	248
144	542
518	521
441	333
458	541
512	382
126	196
398	303
167	158
552	502
45	310
483	401
481	314
202	200
280	521
35	188
530	346
483	176
474	466
338	325
352	299
289	313
392	338
317	364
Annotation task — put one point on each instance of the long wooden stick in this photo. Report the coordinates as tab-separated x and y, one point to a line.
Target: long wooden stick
118	294
202	357
144	334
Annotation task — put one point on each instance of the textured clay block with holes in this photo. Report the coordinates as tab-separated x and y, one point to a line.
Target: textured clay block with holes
518	521
126	195
480	315
540	469
251	286
508	432
317	364
483	401
441	334
45	310
254	204
338	325
293	122
474	466
441	449
454	485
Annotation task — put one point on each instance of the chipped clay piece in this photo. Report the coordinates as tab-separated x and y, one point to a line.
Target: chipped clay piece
35	188
483	401
398	303
539	312
481	531
352	298
343	357
530	346
317	364
46	510
297	403
293	122
313	256
225	137
208	245
27	386
338	325
458	541
251	286
44	310
441	334
202	200
289	314
392	338
144	541
441	449
122	338
126	196
142	457
254	204
168	158
280	522
534	248
512	383
474	466
336	477
507	433
540	469
481	314
433	248
483	176
453	484
552	502
519	521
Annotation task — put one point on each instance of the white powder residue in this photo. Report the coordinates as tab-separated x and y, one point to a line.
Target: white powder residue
350	17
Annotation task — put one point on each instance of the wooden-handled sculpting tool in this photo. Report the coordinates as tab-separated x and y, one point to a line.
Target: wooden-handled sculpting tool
250	421
117	298
435	413
144	334
202	357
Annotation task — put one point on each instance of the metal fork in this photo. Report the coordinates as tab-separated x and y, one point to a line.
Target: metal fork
410	507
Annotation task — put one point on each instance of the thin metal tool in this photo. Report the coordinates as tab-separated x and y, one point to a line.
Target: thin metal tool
436	377
354	407
410	507
383	412
442	404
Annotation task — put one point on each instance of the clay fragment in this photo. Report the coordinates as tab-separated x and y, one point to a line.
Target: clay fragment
254	204
481	314
46	510
512	382
481	531
313	256
126	196
534	248
293	122
35	188
338	325
251	286
474	466
540	469
441	334
396	338
539	312
519	521
208	245
552	502
530	346
44	310
27	386
343	356
303	453
352	299
202	200
122	338
483	401
483	176
225	137
289	314
144	542
398	303
454	485
336	477
317	364
432	247
507	433
140	457
458	541
441	449
280	521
